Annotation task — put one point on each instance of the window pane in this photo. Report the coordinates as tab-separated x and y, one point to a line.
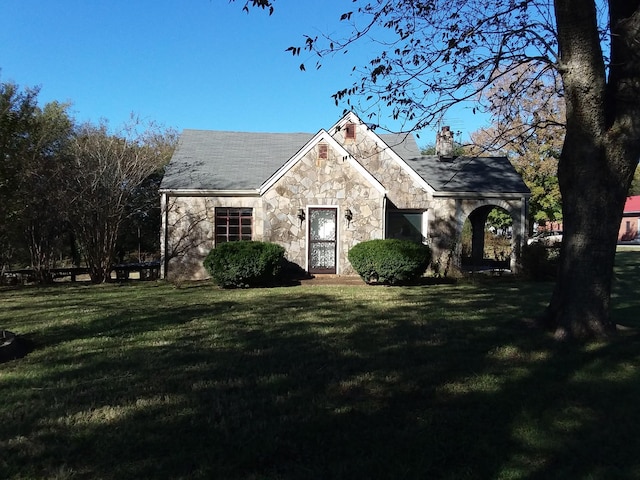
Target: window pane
323	225
323	255
233	224
405	225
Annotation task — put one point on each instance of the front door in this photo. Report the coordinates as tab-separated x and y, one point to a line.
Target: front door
322	240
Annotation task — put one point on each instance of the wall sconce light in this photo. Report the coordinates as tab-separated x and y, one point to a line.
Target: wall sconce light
348	214
300	215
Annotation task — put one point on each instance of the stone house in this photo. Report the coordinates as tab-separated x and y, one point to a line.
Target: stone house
319	194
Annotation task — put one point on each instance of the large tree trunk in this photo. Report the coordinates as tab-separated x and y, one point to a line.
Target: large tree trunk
592	208
600	153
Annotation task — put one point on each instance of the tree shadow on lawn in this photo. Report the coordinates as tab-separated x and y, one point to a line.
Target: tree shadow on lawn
233	390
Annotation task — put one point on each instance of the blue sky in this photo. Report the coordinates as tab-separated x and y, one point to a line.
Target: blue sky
201	64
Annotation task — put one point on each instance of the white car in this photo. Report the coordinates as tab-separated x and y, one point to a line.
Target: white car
547	238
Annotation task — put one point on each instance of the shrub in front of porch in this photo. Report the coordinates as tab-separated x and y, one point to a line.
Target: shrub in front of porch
540	262
244	264
390	261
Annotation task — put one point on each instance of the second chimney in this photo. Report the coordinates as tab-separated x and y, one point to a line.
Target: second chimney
444	142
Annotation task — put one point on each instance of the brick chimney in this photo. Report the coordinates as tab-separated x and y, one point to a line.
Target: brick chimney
444	142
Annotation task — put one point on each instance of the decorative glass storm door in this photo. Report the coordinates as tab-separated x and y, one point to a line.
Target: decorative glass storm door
322	240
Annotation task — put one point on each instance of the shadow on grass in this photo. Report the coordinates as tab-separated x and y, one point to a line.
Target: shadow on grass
436	382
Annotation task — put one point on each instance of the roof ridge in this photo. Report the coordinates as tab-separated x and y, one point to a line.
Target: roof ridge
202	130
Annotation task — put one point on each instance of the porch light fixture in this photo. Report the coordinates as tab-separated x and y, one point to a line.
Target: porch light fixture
348	214
300	215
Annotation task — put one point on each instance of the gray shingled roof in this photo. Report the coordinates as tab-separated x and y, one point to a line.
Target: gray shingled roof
469	174
215	160
218	160
402	144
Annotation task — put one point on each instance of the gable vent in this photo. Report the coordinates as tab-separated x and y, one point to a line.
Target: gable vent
350	131
323	151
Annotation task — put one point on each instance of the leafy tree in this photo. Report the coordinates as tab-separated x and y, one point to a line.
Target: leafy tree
530	133
33	164
42	216
430	56
142	220
430	149
108	170
499	219
17	111
60	182
635	183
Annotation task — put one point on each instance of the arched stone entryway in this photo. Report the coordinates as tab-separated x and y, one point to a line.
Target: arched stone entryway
477	213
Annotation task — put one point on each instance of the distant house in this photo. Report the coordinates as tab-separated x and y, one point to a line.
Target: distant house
630	225
319	194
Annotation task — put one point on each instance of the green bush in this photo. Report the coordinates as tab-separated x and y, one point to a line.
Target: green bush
540	262
390	261
244	264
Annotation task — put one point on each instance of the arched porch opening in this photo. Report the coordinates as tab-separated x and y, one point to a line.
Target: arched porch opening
487	238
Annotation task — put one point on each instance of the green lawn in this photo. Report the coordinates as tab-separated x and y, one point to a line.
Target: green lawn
145	380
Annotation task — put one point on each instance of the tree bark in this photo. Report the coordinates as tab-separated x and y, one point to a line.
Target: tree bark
599	157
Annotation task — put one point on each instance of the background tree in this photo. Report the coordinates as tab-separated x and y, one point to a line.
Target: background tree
109	168
458	149
500	220
17	111
635	183
139	237
530	133
40	189
32	156
429	56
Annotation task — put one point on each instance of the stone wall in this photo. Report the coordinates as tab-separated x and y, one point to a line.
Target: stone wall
190	232
403	191
313	182
448	215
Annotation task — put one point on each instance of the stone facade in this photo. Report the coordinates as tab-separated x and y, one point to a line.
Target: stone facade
346	169
448	215
322	182
403	189
188	223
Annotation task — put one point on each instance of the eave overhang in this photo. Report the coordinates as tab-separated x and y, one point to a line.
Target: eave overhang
184	192
483	195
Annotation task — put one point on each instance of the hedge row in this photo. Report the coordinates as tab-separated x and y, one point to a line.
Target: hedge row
253	263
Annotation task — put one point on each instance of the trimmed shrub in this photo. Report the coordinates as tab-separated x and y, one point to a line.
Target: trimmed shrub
540	262
390	261
244	264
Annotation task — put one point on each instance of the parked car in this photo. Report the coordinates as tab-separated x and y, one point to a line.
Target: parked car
548	238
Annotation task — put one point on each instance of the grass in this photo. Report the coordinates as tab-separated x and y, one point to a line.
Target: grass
145	380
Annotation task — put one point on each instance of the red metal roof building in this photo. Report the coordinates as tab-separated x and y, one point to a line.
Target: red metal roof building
630	225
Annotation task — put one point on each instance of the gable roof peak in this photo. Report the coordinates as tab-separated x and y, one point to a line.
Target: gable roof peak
349	117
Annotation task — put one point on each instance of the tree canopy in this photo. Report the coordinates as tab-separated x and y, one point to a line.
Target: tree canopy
32	164
635	184
428	56
530	133
67	189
